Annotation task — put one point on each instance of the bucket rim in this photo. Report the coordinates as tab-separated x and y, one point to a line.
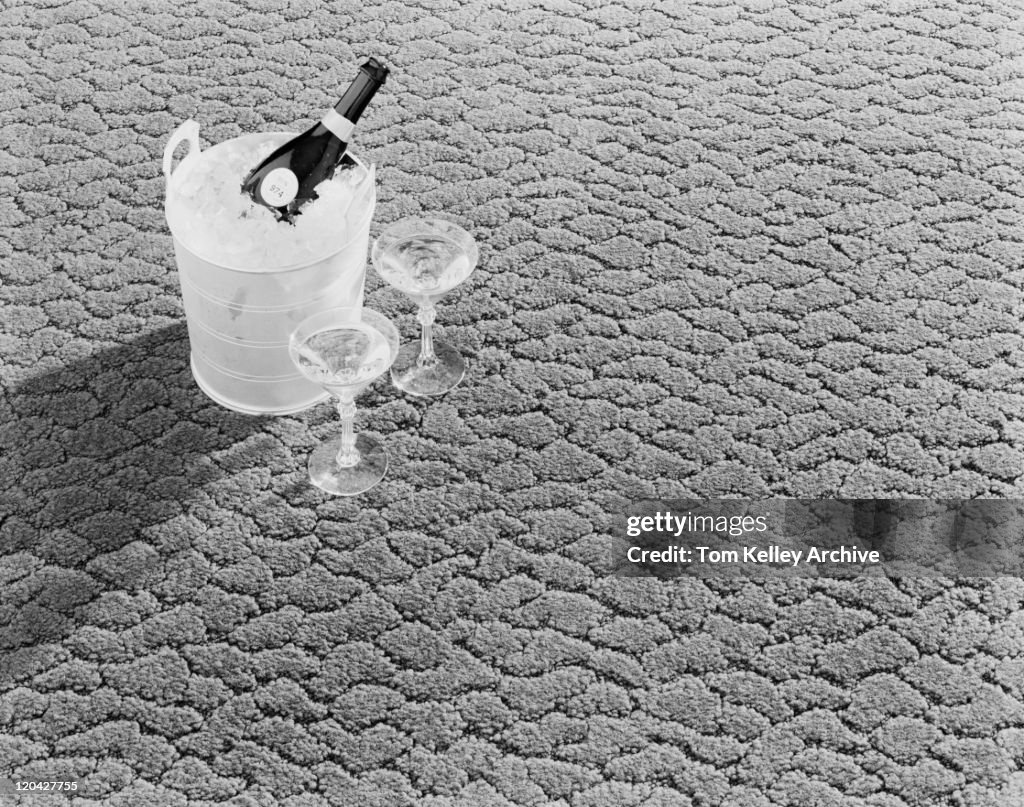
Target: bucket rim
293	267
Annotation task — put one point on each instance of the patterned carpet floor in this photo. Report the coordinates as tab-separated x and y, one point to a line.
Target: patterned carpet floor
763	249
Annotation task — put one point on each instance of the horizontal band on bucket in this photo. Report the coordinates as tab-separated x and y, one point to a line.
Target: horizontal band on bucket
233	340
249	407
263	379
269	309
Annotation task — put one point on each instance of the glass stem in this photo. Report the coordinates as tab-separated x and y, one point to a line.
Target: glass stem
348	455
427	316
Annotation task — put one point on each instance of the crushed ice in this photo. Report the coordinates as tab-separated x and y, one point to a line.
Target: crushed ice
208	212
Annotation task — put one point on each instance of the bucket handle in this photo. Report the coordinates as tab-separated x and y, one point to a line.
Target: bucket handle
189	131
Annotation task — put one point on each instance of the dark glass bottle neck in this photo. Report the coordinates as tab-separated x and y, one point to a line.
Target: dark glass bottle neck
357	96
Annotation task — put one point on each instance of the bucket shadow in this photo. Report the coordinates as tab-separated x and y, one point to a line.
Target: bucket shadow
92	456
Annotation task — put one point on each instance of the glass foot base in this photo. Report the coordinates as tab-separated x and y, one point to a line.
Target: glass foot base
325	473
434	379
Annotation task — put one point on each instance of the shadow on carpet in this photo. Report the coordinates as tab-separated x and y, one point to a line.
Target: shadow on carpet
96	455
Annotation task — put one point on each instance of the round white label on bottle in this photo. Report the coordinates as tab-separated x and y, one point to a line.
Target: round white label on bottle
279	187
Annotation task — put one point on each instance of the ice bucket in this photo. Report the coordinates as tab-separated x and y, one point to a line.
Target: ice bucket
239	318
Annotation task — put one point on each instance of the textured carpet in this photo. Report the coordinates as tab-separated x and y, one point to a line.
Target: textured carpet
764	249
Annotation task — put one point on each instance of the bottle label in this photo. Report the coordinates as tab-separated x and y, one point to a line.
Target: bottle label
340	125
279	187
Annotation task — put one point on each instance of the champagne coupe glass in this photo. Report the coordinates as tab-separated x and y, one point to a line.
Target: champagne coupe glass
425	258
344	350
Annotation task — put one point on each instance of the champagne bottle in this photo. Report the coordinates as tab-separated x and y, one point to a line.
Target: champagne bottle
285	181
